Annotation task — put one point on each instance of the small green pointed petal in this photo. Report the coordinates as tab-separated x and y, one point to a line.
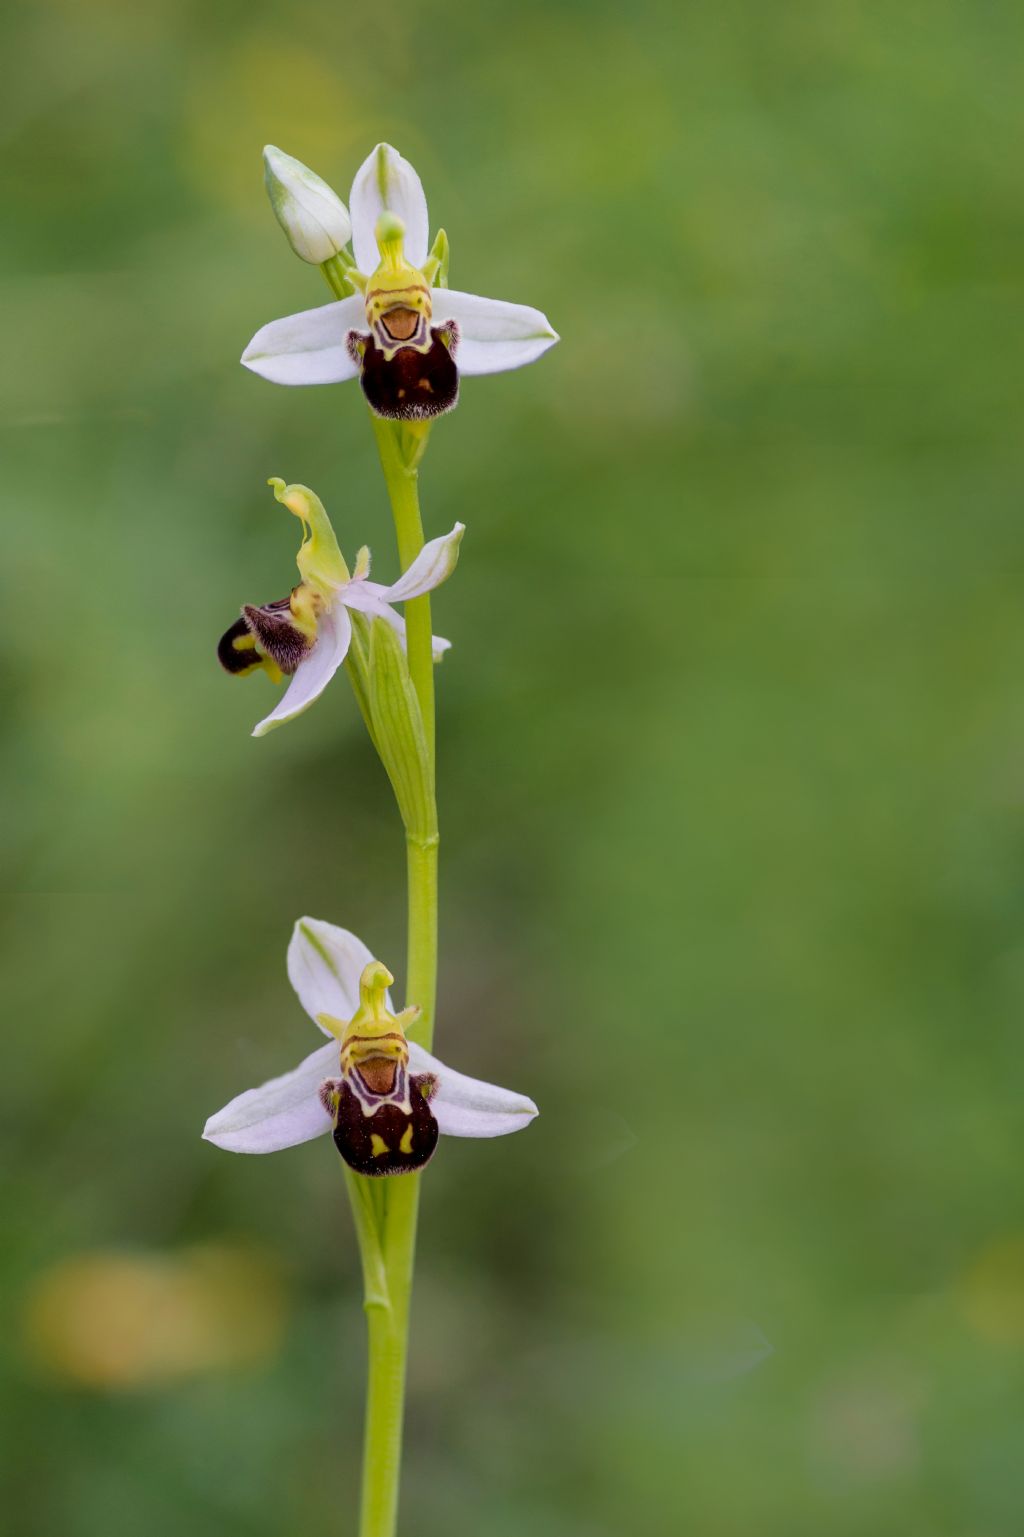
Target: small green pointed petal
435	268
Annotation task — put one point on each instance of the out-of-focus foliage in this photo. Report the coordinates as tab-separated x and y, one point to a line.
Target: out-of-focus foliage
731	764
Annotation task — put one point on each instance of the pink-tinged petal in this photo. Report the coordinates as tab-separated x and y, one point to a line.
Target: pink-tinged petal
278	1114
386	181
493	335
468	1107
324	967
313	674
308	348
433	565
370	598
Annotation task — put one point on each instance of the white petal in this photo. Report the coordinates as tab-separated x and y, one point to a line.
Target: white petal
370	598
468	1107
433	565
280	1113
493	335
309	348
312	676
385	180
324	967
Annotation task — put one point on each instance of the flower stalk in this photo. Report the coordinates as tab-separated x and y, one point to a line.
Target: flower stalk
386	1228
401	447
388	1326
396	327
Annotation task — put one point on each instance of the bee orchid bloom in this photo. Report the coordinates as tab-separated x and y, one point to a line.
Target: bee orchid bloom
384	1098
406	335
306	636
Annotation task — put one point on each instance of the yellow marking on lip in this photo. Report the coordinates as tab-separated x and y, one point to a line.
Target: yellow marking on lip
405	1146
378	1146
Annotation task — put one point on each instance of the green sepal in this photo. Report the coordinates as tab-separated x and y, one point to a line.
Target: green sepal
397	729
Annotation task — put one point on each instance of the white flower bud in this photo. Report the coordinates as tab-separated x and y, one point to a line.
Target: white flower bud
313	217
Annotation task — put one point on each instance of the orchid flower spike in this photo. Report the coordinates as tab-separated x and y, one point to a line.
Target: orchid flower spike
406	335
306	636
385	1099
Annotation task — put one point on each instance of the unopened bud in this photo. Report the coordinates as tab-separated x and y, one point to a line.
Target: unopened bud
313	217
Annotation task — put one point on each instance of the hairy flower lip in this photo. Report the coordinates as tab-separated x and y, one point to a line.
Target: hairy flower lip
324	966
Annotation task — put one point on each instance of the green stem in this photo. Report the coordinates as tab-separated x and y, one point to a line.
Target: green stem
388	1326
386	1210
402	477
401	473
421	880
387	1341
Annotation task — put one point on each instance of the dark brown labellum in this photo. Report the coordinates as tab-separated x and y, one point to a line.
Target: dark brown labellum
390	1141
414	385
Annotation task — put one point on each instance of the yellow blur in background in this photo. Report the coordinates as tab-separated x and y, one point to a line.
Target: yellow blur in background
110	1320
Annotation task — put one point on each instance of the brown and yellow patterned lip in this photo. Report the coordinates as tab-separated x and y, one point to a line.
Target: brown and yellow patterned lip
390	1140
411	385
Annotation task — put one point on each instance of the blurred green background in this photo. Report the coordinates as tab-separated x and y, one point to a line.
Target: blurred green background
731	753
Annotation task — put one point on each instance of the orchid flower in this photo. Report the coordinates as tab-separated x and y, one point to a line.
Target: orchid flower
392	1098
306	636
405	334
